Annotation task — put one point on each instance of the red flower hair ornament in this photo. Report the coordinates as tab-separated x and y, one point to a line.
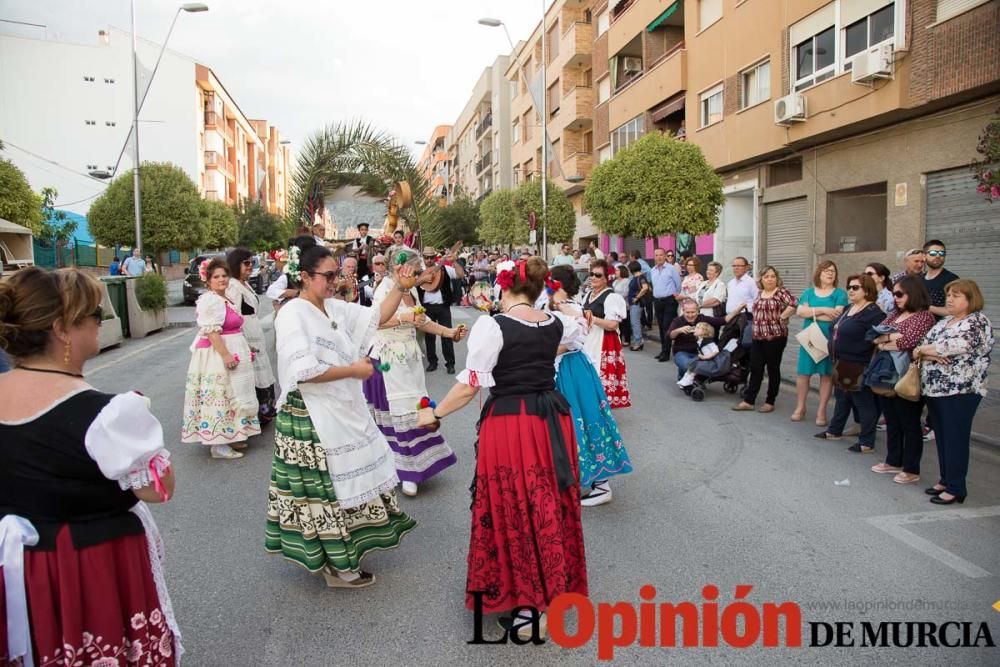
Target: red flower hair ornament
552	285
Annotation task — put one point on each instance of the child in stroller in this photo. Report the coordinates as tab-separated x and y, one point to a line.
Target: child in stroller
728	362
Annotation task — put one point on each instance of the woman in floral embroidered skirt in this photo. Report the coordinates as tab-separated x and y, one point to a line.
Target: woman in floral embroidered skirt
526	542
332	495
604	346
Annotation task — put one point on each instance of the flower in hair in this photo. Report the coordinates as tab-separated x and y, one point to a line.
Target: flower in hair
203	270
505	279
552	285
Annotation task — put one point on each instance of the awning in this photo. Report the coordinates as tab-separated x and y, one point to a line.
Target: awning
673	105
664	16
8	227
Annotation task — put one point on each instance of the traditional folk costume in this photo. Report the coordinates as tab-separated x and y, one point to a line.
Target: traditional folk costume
602	452
393	396
81	577
604	348
526	544
220	405
331	498
248	303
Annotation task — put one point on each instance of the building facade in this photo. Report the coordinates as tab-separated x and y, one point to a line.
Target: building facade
72	116
434	163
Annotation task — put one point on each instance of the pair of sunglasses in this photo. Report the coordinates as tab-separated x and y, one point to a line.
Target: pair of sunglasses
596	275
329	275
936	253
98	315
854	287
898	294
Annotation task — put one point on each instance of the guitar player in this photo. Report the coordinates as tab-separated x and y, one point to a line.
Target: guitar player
437	297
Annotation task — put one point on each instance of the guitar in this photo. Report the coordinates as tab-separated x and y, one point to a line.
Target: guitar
436	274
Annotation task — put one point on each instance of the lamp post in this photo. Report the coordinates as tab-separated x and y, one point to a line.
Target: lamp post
191	7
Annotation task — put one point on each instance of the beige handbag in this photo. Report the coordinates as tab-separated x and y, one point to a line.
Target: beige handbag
814	341
908	386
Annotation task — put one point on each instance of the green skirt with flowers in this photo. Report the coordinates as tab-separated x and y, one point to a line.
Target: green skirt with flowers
305	523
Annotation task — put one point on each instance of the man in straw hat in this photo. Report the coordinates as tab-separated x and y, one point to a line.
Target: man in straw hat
437	302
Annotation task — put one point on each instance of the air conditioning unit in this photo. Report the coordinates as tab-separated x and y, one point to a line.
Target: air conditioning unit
632	65
790	109
873	64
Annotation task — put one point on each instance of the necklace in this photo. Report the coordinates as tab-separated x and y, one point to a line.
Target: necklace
516	305
51	370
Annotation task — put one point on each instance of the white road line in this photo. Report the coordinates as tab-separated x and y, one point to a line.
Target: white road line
138	351
893	525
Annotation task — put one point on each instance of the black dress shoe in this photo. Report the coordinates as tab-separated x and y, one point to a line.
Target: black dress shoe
933	492
662	358
449	369
431	367
938	500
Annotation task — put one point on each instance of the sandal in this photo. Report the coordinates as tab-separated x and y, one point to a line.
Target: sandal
821	421
225	452
767	407
797	416
335	581
742	406
883	468
906	478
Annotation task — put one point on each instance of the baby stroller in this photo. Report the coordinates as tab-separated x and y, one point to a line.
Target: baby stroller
731	366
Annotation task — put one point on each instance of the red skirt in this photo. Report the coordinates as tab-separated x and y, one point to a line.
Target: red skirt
93	606
526	543
614	376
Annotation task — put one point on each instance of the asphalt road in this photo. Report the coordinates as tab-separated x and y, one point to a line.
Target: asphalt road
717	497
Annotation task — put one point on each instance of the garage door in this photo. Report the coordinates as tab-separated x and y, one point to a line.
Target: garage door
970	228
787	247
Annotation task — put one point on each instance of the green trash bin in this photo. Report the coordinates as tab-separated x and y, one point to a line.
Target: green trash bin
119	299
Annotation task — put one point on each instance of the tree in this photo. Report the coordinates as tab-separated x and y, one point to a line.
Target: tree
18	203
499	217
220	224
256	228
559	220
456	222
656	186
56	228
172	213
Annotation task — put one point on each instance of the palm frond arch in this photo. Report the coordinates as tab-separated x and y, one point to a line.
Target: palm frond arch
354	153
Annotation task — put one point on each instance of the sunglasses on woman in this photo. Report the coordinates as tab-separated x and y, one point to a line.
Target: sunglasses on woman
247	262
596	275
898	294
329	275
853	287
871	273
98	315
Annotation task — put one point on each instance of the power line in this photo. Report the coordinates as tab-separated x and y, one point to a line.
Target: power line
53	162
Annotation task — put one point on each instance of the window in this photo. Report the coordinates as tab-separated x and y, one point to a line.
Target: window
626	134
711	106
867	32
88	78
553	50
604	90
526	124
90	122
603	21
815	59
756	83
515	132
709	11
588	78
786	171
513	88
604	154
554	98
110	123
587	145
856	219
948	8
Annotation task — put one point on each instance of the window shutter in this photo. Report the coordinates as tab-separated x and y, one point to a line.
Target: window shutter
948	8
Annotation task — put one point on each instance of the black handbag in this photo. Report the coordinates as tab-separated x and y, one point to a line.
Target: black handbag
847	375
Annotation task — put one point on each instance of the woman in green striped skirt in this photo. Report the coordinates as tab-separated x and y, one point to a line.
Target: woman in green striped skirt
332	495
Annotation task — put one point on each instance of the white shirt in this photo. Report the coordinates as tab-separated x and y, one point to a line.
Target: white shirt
275	289
435	296
740	291
706	291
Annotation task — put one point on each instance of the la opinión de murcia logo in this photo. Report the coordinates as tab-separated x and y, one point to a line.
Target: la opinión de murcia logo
709	624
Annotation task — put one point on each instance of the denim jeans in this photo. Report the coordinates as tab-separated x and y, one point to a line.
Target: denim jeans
635	319
4	363
683	360
864	401
952	419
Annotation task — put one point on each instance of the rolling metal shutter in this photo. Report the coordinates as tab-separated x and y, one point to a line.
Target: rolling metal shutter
970	228
787	247
633	243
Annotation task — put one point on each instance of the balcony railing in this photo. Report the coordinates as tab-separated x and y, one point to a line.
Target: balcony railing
484	163
211	119
216	160
213	195
484	125
228	133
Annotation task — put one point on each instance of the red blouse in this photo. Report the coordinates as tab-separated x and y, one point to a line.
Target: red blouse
767	322
913	328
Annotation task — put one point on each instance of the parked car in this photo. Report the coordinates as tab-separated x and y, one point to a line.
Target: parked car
193	285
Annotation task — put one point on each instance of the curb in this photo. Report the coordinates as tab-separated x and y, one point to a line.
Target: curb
181	325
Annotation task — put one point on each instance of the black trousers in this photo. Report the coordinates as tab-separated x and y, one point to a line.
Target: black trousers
665	310
647	312
440	313
904	438
765	354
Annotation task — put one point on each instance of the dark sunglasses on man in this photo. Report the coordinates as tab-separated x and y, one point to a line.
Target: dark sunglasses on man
936	253
596	275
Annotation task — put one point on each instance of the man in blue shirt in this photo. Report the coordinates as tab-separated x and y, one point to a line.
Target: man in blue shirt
134	265
666	282
116	267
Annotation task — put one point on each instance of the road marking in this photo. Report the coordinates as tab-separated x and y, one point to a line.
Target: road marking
138	351
893	525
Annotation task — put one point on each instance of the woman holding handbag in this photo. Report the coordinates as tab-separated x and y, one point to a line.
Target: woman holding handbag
955	359
821	304
850	351
911	320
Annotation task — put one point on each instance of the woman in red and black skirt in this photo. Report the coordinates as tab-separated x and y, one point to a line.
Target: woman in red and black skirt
81	582
604	346
526	544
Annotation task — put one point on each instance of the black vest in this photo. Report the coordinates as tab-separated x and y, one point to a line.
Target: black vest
447	293
527	362
597	305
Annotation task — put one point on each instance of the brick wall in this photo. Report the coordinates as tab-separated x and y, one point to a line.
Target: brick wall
600	56
960	54
602	133
785	74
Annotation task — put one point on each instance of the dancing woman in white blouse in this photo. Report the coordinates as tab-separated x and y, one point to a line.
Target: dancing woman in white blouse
246	302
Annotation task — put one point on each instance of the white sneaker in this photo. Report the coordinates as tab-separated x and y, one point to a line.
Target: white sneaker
928	434
409	489
225	452
600	493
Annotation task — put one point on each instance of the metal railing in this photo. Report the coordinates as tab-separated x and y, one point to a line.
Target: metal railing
484	125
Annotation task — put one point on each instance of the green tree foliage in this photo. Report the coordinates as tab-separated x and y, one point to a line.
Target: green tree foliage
256	228
219	223
456	222
151	291
56	228
656	186
172	213
18	202
498	217
561	218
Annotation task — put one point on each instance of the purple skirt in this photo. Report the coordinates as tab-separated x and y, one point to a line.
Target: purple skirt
420	454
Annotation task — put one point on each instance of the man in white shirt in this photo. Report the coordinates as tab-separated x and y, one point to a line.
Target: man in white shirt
742	289
565	258
437	302
319	233
594	251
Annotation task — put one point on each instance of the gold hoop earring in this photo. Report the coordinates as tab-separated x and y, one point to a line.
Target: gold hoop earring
66	352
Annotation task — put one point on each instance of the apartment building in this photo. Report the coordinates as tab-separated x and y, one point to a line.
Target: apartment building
434	162
569	100
72	114
843	129
479	141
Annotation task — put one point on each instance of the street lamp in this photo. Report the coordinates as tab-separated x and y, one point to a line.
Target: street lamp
190	7
540	108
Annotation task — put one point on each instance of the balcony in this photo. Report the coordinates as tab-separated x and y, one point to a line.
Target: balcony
211	120
577	44
576	110
216	160
625	25
666	78
227	132
213	195
485	124
578	164
485	163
